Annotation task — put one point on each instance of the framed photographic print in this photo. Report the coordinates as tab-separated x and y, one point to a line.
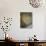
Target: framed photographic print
26	19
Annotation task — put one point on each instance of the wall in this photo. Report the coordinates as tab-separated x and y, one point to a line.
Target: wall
12	8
